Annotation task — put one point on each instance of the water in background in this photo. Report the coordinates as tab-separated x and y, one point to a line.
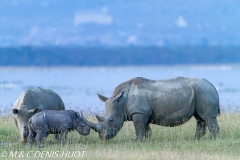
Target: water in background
78	86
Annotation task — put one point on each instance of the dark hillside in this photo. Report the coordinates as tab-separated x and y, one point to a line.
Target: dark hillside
102	56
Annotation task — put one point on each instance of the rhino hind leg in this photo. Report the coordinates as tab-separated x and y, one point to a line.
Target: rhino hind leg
31	136
212	125
39	139
213	128
200	128
141	125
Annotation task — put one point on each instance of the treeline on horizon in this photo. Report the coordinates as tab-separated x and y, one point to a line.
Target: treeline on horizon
117	56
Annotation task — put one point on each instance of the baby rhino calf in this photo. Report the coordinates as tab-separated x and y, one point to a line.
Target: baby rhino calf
55	122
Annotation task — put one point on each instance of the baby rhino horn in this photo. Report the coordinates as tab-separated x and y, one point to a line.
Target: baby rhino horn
99	118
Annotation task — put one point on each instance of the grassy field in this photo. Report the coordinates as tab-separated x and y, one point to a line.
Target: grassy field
166	143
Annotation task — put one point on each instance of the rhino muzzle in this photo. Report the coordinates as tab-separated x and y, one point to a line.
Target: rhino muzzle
24	135
106	137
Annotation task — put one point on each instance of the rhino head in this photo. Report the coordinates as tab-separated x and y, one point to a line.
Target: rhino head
112	122
79	125
21	118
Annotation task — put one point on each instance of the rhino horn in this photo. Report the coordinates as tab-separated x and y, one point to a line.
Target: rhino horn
102	98
99	118
95	127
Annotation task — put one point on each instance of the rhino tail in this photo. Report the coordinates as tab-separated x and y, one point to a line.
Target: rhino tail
30	121
219	111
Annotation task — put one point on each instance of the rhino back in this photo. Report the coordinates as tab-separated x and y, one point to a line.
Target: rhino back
26	101
42	98
49	99
53	120
161	98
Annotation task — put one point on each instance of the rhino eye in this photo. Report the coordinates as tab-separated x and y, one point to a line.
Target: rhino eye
110	119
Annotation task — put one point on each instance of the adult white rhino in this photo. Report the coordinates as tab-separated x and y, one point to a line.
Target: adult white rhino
163	102
31	102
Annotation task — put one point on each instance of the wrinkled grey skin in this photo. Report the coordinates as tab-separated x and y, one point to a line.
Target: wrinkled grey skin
55	122
31	102
163	102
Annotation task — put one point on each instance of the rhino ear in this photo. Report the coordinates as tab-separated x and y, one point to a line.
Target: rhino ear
102	98
99	118
76	115
33	110
119	97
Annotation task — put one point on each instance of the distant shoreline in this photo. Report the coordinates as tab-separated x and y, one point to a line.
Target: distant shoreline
195	66
118	56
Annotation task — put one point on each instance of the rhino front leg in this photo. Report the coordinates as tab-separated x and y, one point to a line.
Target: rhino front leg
63	135
56	137
148	132
141	125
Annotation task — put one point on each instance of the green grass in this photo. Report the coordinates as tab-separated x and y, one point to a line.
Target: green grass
165	143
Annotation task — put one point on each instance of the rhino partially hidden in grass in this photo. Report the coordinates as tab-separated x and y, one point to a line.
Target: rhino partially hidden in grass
55	122
31	102
163	102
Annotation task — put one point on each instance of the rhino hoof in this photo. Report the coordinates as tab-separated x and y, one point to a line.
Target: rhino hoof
138	140
41	146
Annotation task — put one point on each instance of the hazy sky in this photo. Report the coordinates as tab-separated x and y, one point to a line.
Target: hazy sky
107	22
